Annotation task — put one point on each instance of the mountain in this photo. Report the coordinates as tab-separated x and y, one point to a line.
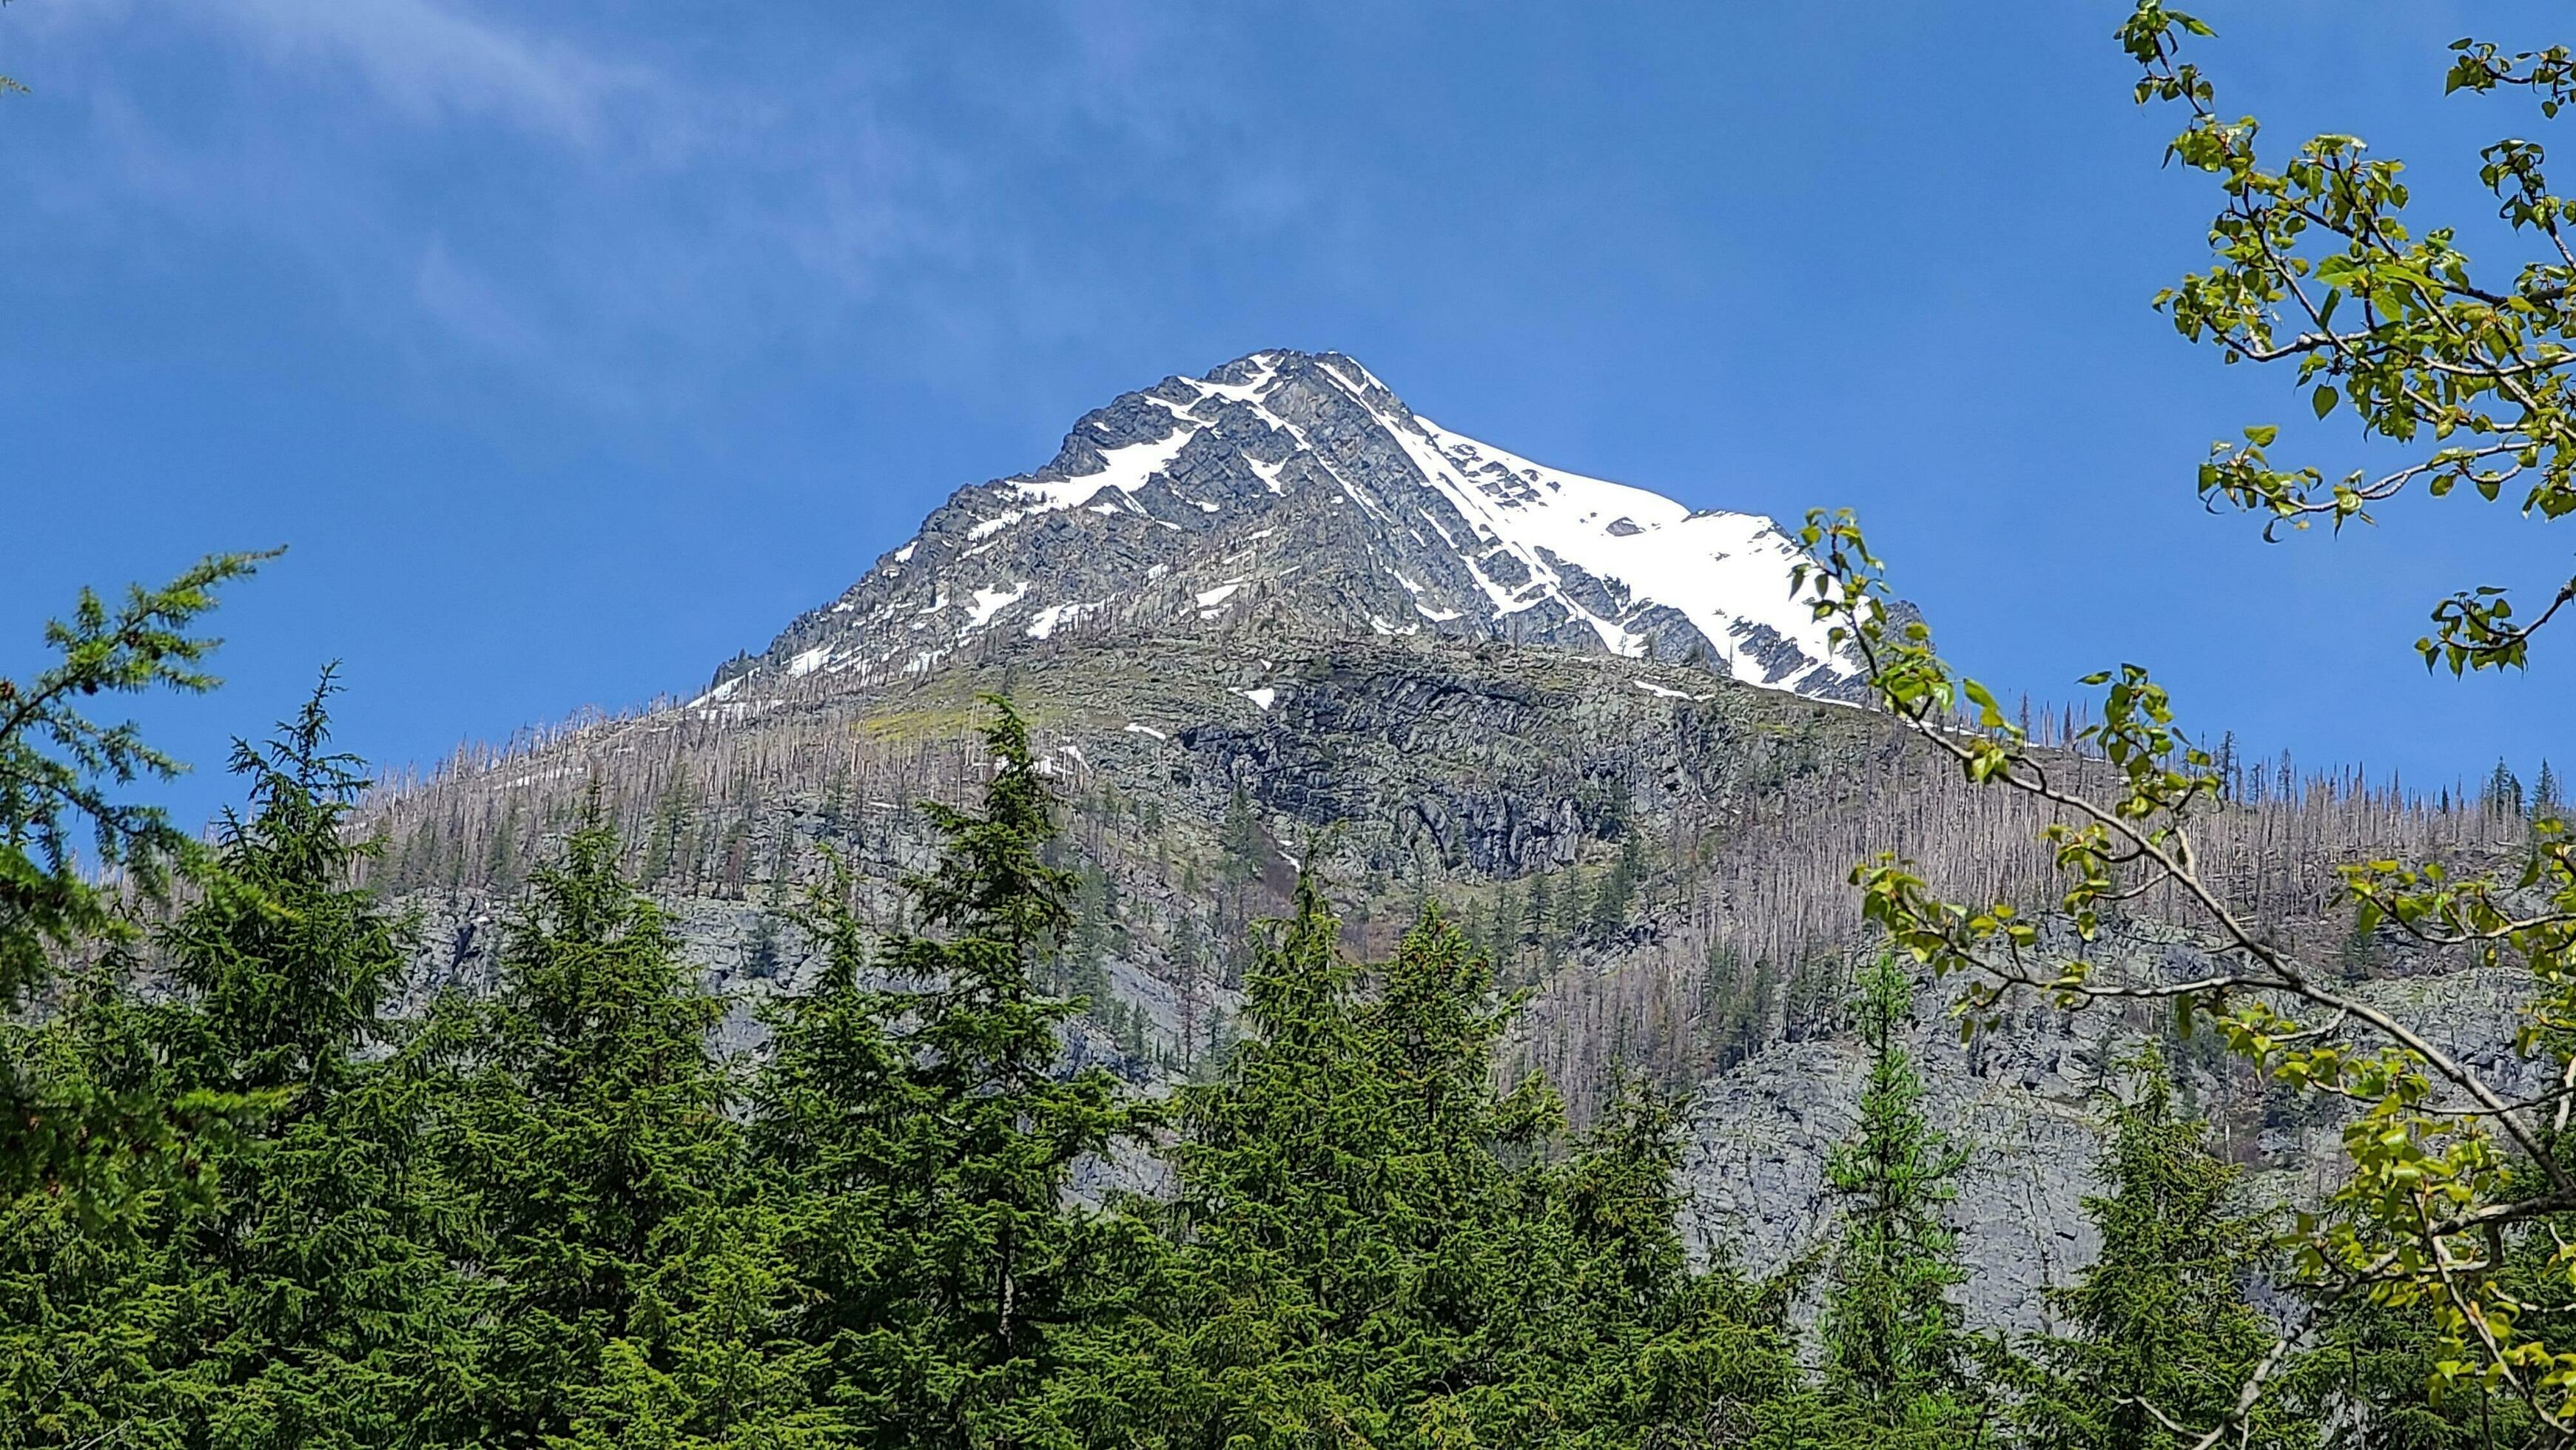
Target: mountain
1295	488
1271	619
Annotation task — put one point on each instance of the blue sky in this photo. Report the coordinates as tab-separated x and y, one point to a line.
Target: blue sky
573	347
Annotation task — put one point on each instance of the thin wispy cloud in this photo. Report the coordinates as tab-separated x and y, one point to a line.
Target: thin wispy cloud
603	213
430	61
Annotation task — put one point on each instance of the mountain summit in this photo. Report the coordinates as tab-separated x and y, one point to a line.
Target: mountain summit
1294	489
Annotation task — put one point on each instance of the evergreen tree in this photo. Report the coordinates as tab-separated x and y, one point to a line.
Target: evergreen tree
1617	894
1239	839
708	1362
1283	1216
1565	921
1542	917
305	1298
100	1318
501	861
1735	1006
664	843
2503	794
1467	1192
331	1231
1895	1352
1375	1245
1670	1355
62	828
1085	973
936	1118
2371	1368
1507	930
2160	1333
594	1131
829	1106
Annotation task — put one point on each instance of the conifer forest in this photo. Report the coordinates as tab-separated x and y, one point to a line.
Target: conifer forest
1383	978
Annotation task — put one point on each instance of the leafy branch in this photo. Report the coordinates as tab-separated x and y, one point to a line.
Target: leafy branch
2429	1181
2317	265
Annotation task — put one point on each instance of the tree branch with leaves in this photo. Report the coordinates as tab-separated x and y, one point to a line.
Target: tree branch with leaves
2315	267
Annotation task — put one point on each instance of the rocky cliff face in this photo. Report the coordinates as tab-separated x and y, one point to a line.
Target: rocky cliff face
1289	487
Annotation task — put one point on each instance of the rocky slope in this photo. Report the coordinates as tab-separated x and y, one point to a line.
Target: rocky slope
1293	487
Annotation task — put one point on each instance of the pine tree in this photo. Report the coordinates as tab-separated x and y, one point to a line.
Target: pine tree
331	1233
1279	1164
2159	1331
2503	794
306	1297
1668	1354
708	1362
1239	839
1735	1006
829	1106
1617	894
594	1131
984	1272
1565	923
1085	973
1507	931
1895	1352
1542	917
664	844
101	1320
1376	1245
2372	1367
1478	1263
62	828
501	861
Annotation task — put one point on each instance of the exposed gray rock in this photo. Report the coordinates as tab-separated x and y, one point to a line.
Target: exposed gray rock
1293	487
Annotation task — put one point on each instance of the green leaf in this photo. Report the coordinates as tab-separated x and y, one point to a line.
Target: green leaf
2323	400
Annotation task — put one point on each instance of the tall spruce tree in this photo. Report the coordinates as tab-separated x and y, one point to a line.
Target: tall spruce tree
1377	1245
2160	1334
593	1130
1664	1353
1466	1193
983	1272
305	1298
1895	1352
63	827
1277	1166
331	1227
828	1111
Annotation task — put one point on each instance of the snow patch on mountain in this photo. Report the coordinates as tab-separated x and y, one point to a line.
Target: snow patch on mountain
1124	469
1304	475
1726	572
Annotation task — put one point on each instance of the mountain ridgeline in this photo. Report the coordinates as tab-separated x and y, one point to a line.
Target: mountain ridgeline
1294	490
1270	619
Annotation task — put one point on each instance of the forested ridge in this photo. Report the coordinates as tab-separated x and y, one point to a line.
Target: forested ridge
555	1215
1670	876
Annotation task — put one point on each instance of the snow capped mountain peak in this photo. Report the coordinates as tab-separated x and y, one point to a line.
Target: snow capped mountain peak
1296	488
